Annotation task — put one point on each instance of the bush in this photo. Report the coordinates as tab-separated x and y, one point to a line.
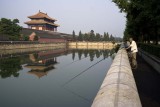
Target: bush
151	48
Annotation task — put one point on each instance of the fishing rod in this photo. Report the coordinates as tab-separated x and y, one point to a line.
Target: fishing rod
82	72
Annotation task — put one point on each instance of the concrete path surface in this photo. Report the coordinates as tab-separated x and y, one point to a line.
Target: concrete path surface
148	84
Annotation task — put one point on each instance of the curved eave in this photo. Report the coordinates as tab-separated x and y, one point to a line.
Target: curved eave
37	23
35	17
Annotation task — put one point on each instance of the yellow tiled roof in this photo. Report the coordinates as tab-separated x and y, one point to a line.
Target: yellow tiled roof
41	15
40	22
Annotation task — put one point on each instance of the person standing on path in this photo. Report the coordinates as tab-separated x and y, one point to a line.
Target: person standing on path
134	51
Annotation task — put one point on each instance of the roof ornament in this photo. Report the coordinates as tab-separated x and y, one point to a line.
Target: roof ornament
39	11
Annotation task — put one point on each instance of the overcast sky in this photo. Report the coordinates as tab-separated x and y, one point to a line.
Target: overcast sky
85	15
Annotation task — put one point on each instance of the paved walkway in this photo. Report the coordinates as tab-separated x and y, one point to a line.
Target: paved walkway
148	84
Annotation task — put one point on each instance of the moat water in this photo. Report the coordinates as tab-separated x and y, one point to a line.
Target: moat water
52	78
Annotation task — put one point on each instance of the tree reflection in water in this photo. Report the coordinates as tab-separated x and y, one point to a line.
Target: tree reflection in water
73	55
93	53
10	67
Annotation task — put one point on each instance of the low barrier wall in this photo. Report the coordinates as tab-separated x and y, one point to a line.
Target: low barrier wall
118	88
30	46
91	45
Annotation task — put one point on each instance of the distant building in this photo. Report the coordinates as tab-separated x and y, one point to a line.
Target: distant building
41	21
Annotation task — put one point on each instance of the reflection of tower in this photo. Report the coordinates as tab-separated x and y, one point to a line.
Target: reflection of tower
44	61
38	74
41	67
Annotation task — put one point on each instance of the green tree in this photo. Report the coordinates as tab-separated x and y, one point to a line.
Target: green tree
98	37
106	36
86	37
80	37
143	19
111	38
10	28
74	35
92	35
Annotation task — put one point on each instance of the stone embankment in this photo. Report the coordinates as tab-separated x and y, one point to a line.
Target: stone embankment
30	46
118	88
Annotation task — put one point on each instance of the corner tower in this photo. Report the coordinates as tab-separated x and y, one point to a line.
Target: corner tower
41	21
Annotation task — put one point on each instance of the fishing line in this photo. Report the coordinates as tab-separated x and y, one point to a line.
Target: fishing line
82	72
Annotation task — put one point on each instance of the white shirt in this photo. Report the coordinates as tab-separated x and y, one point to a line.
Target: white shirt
133	46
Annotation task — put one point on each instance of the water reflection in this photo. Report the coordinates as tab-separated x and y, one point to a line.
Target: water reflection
40	67
39	74
41	63
10	67
93	53
68	78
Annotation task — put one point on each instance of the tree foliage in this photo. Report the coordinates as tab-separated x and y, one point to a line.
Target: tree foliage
86	37
91	36
80	37
74	35
106	36
10	28
143	19
98	37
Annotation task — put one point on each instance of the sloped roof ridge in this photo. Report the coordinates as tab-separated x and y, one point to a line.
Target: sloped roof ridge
41	15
